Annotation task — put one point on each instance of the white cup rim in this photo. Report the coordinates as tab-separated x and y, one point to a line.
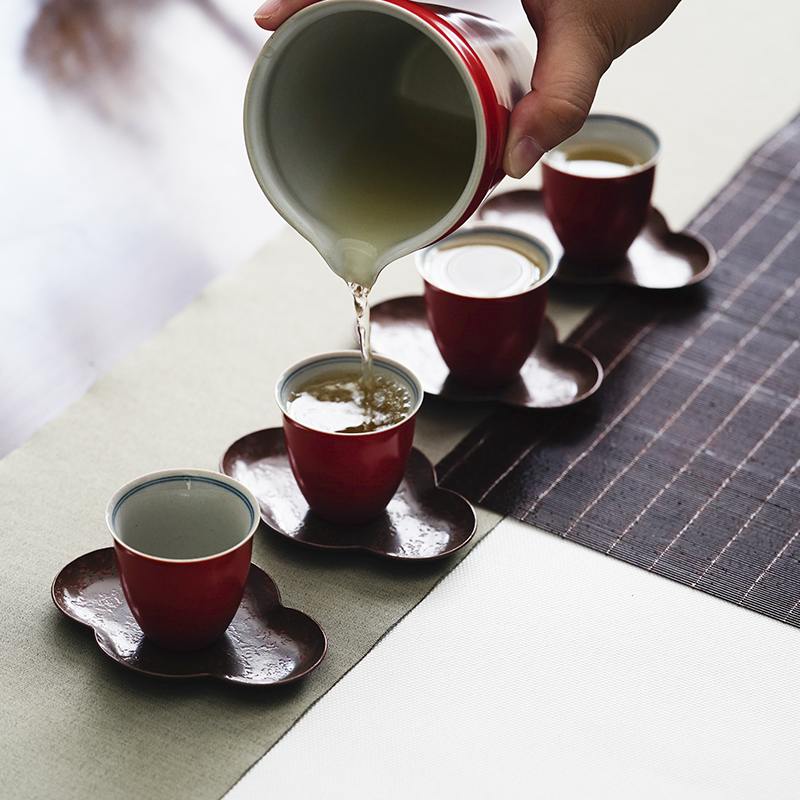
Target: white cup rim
173	475
611	120
350	357
498	233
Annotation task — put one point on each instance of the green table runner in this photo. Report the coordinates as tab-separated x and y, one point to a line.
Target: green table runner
75	723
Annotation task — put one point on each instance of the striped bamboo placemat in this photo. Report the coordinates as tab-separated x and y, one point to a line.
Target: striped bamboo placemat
686	461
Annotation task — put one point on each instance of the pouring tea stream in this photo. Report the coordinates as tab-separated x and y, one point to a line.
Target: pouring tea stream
376	127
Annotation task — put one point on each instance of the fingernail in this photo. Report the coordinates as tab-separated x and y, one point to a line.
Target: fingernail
525	153
266	10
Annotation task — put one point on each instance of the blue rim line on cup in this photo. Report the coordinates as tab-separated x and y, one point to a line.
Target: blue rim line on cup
351	358
166	476
585	134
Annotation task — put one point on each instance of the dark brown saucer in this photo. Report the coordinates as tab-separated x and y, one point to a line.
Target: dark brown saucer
266	643
555	375
423	521
658	259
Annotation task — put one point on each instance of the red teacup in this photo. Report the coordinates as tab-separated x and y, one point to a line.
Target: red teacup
596	187
183	541
485	300
381	110
346	477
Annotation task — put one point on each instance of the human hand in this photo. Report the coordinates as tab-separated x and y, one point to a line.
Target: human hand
577	42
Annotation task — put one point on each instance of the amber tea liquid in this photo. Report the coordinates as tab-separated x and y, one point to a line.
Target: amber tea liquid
341	402
595	160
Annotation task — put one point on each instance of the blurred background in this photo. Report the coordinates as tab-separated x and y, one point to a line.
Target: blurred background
125	184
126	189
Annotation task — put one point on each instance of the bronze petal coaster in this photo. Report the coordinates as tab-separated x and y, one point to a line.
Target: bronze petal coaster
266	643
422	522
658	259
555	375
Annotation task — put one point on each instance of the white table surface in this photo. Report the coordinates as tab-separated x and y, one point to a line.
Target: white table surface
506	681
500	683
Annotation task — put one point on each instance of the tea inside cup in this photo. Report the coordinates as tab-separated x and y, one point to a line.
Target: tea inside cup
596	187
606	147
347	443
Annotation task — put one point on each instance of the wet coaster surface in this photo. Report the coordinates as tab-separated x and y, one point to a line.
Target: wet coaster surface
554	375
422	521
266	643
659	258
686	462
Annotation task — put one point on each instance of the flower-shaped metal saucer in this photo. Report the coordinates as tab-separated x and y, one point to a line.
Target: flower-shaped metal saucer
266	644
422	522
658	259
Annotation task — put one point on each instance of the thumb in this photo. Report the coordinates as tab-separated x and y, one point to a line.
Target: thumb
569	65
272	13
